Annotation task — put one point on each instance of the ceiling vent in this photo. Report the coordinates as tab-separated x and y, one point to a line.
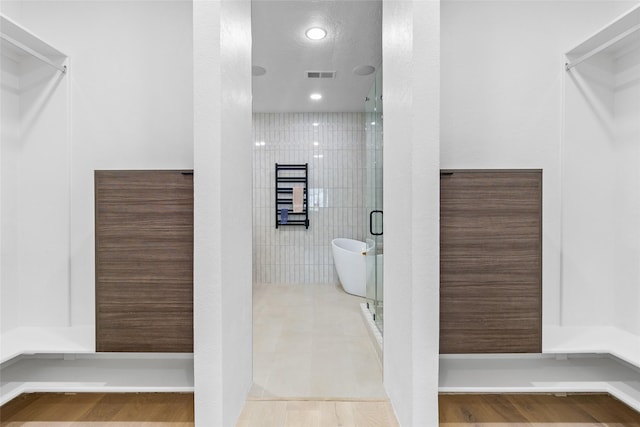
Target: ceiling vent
321	74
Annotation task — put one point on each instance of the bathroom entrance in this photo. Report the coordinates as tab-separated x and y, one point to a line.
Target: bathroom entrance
374	197
317	116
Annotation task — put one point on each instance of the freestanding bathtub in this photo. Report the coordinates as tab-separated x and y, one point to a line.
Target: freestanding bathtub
351	264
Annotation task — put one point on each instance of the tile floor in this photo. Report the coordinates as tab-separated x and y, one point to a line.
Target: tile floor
311	341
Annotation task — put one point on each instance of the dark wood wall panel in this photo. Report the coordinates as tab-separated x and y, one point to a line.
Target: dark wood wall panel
491	261
144	261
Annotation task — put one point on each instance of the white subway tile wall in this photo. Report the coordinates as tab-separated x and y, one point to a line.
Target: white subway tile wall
333	144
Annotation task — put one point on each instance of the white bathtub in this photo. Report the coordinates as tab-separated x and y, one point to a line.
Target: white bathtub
351	264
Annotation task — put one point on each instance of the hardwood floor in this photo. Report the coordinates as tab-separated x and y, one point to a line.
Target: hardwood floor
176	410
535	409
161	409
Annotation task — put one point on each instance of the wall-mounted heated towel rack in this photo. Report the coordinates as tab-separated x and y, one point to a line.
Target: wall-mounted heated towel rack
291	203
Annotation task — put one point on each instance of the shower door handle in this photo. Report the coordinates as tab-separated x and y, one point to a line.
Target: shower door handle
371	223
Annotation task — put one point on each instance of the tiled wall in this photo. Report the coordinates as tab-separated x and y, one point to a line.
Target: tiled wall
333	144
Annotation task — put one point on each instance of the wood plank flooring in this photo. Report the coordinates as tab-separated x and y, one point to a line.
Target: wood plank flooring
534	409
176	410
71	409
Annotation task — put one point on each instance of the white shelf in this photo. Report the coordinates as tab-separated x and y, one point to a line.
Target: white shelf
605	340
574	360
18	42
609	32
27	38
34	340
540	374
101	372
64	360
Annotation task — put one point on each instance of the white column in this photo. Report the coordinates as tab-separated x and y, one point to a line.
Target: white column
223	212
411	91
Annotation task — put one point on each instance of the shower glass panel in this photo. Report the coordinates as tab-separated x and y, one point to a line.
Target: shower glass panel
374	220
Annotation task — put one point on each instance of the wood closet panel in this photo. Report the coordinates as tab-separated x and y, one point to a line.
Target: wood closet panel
144	261
491	261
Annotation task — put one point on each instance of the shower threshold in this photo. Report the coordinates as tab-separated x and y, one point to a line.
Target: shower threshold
372	329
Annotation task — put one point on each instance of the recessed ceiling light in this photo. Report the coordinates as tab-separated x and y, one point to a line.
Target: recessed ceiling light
318	156
316	33
316	124
316	143
315	96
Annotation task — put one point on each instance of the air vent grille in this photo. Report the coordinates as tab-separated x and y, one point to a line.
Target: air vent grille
321	74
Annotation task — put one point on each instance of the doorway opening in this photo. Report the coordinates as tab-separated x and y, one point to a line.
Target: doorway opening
317	102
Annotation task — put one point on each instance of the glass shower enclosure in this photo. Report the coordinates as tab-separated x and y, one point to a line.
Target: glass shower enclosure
374	194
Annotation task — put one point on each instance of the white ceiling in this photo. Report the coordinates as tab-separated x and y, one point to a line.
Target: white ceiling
280	46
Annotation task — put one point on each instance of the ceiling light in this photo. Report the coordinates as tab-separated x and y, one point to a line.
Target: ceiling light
315	96
316	143
316	33
316	124
318	156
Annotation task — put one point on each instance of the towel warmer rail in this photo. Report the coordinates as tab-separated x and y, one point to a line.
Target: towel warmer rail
287	176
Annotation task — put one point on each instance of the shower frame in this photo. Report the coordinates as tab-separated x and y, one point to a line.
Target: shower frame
374	200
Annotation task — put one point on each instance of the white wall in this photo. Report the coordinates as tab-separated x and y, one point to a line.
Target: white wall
132	103
601	275
293	254
11	8
10	157
35	193
44	197
588	198
502	73
627	121
222	230
411	84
